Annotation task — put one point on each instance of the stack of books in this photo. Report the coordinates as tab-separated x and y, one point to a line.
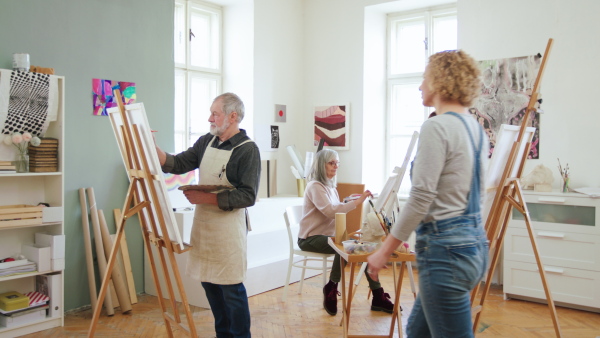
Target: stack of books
44	158
6	167
17	267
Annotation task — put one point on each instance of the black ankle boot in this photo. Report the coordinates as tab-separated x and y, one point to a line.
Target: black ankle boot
381	301
330	294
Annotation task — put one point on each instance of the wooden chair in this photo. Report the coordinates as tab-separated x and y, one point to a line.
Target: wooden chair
292	217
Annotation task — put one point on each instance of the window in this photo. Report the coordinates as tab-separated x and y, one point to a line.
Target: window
412	38
198	73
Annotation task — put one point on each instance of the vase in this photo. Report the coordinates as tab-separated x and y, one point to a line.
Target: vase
22	163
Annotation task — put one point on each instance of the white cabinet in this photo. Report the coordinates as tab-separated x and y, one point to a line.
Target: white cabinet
567	232
30	189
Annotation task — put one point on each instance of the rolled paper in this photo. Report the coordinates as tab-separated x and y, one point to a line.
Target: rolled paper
308	161
340	228
296	159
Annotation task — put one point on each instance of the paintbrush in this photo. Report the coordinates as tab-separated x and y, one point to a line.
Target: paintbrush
378	217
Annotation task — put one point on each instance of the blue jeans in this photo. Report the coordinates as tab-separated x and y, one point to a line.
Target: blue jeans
452	257
229	305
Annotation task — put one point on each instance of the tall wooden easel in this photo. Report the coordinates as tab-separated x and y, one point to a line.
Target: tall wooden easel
509	195
142	199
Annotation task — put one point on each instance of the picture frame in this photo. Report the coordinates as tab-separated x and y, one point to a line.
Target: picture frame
332	124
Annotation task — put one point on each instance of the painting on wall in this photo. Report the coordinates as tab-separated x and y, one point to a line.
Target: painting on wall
280	113
506	89
104	98
331	125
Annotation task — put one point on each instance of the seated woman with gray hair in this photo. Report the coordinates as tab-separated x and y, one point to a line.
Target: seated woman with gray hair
321	203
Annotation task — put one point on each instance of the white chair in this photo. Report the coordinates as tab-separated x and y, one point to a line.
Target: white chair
292	217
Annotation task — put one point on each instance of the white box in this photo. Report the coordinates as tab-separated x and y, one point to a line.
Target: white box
56	242
38	254
184	220
16	320
58	264
52	214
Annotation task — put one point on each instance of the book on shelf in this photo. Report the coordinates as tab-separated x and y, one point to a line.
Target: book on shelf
7	167
26	267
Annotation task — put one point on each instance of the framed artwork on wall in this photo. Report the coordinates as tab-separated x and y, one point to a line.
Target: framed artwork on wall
331	123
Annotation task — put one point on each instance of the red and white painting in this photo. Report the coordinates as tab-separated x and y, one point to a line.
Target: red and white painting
331	125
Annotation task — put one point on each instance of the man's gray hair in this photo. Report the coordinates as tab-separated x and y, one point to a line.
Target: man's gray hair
318	170
232	103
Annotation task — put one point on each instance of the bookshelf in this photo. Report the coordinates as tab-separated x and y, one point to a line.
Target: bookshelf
31	188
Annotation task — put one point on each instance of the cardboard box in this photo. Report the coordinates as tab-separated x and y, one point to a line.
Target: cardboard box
55	242
38	254
52	214
20	319
11	301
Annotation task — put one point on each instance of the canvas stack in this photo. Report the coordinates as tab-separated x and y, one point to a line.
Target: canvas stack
44	158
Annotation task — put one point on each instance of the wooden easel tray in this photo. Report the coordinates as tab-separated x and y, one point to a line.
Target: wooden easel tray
205	188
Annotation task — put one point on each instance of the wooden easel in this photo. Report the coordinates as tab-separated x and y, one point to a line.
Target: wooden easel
509	195
142	199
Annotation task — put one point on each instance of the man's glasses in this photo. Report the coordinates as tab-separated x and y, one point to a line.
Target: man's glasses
334	163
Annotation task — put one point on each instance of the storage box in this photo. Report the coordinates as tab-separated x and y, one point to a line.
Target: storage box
11	301
52	214
58	264
39	254
55	242
21	214
20	319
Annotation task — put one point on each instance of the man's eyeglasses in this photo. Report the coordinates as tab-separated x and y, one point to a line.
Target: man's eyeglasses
334	163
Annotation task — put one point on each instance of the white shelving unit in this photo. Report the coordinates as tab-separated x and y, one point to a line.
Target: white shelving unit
31	189
567	231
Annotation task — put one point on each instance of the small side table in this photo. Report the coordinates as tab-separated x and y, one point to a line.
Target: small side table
347	295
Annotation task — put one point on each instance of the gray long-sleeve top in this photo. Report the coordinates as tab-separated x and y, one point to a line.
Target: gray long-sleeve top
442	172
243	168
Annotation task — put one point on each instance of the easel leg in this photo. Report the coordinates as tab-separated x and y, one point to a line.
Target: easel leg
344	310
538	260
396	315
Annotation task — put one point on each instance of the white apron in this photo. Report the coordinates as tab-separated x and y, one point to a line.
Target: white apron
218	238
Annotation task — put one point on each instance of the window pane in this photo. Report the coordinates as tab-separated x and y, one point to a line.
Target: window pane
444	33
408	48
202	92
406	111
204	44
180	34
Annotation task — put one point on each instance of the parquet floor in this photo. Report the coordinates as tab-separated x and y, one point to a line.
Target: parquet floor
303	316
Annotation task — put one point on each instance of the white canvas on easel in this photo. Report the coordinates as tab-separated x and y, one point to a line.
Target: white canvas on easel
507	136
137	115
392	186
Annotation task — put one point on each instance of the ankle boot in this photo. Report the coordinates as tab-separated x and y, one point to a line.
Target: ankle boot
330	294
381	301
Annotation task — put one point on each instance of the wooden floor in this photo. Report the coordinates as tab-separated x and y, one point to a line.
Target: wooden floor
303	316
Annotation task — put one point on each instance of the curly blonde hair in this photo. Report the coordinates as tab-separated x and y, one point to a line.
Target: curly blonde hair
455	76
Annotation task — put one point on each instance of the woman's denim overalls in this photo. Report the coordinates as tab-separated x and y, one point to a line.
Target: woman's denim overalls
452	257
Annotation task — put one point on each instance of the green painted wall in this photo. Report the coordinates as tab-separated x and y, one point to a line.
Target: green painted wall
109	39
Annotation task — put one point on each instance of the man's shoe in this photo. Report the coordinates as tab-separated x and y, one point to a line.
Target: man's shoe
381	301
330	294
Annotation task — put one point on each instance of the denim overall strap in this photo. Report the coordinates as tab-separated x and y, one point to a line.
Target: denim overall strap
473	204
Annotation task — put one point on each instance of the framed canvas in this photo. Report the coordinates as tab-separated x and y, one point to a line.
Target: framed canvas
331	123
137	116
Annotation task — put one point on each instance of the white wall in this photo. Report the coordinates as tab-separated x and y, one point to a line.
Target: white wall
278	74
569	127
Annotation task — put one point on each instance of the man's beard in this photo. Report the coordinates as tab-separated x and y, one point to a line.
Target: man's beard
218	131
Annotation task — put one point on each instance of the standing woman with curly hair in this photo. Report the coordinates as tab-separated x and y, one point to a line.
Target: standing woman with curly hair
444	206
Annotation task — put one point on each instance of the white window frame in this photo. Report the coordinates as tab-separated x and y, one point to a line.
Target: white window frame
183	139
427	15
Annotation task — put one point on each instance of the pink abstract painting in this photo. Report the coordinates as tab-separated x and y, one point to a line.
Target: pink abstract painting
331	125
103	95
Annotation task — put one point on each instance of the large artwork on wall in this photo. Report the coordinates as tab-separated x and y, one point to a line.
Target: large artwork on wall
331	125
506	89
